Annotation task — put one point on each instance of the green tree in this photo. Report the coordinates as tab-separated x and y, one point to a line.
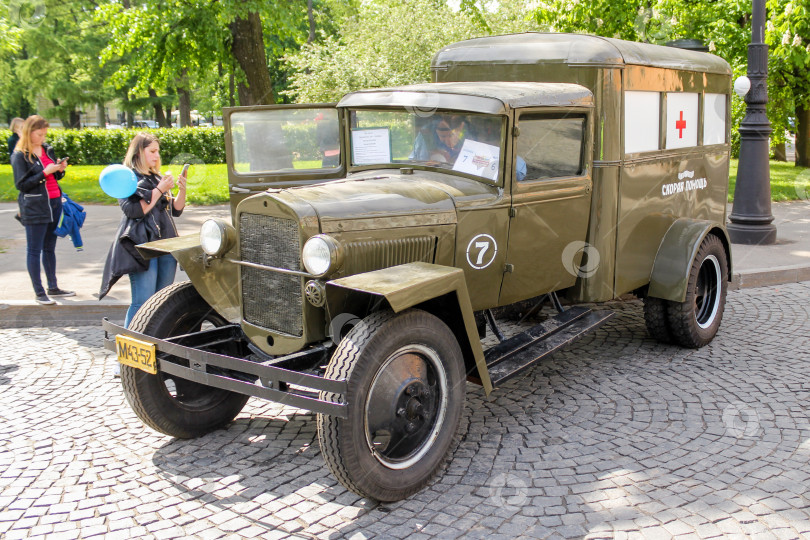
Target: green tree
50	50
12	98
373	48
181	44
788	36
633	20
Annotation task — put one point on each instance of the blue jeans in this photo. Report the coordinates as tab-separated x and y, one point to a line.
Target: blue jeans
41	243
144	284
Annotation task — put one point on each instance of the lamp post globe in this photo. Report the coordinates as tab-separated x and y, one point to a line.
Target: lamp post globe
742	85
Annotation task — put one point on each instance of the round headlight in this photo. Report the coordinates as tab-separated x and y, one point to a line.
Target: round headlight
321	255
215	237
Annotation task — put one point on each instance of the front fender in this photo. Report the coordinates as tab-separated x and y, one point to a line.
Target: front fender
216	279
673	262
441	290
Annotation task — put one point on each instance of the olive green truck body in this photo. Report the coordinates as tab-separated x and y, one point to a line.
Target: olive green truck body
534	164
629	213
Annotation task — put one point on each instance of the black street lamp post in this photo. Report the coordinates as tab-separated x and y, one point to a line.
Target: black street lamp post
751	214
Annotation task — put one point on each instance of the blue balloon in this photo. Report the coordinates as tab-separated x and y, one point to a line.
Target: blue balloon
118	181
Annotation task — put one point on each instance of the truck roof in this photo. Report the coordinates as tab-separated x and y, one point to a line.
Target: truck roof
483	97
574	49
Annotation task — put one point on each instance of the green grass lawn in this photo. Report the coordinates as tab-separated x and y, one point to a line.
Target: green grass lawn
208	184
788	182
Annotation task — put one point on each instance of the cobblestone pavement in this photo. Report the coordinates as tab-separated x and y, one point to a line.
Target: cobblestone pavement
614	437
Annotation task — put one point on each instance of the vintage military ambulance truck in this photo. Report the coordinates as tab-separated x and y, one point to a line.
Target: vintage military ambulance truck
371	239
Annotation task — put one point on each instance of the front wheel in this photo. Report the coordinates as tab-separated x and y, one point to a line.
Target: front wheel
169	404
406	391
694	322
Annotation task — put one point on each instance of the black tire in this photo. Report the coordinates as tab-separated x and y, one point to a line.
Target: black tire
695	321
168	404
406	392
656	319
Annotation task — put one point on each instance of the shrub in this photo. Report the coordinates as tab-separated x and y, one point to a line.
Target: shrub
105	146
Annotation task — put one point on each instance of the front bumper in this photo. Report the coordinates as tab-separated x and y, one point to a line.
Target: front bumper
193	357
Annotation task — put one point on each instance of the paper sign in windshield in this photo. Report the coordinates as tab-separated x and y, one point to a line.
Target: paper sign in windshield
370	146
478	158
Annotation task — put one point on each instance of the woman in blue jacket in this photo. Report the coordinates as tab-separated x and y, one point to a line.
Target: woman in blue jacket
36	175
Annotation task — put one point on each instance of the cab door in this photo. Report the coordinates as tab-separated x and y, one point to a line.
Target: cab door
551	198
278	146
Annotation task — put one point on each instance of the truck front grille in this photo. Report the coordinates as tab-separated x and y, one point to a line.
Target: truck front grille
270	299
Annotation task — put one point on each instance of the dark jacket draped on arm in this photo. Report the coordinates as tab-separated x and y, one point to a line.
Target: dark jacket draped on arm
137	228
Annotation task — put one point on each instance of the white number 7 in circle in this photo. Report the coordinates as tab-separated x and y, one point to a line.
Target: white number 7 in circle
481	251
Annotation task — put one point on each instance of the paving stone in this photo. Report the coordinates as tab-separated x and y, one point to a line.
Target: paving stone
615	436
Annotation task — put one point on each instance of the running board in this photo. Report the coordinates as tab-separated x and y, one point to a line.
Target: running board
516	354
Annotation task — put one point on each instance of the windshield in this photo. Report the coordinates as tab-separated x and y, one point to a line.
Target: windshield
285	139
466	143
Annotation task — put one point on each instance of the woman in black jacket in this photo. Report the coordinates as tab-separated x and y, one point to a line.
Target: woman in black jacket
16	128
36	175
147	216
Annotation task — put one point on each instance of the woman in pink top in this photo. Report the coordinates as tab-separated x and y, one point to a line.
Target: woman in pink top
36	175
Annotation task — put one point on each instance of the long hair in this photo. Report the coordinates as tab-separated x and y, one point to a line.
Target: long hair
16	124
32	123
134	158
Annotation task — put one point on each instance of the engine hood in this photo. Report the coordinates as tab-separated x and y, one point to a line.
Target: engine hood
379	201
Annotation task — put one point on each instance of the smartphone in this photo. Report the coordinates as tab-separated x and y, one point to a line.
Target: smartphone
60	160
185	169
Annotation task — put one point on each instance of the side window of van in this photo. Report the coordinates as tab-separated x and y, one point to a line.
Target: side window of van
550	146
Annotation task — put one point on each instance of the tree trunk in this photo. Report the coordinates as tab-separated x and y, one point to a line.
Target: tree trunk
311	17
64	120
168	116
101	115
185	107
129	116
803	135
779	152
231	89
248	49
160	118
75	119
220	84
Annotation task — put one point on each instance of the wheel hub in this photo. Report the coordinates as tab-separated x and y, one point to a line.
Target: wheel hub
707	291
403	414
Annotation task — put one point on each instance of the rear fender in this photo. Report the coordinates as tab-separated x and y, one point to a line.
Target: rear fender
216	279
439	290
673	262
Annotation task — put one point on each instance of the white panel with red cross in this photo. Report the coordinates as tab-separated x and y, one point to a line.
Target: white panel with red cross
682	119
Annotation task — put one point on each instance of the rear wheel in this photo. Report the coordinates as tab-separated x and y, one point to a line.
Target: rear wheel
656	319
406	391
166	403
695	321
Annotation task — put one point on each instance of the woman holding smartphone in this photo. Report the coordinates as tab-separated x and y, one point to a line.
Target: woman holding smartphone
36	175
148	215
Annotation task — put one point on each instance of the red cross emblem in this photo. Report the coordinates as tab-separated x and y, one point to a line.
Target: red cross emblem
680	125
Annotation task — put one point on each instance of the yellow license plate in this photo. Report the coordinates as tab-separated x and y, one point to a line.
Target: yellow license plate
136	353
